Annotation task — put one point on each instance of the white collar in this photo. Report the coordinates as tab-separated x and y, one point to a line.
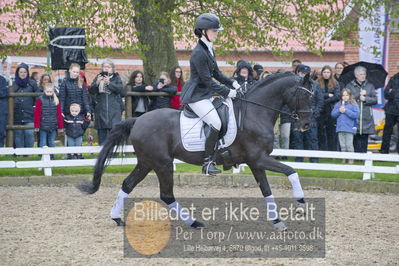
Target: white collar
208	44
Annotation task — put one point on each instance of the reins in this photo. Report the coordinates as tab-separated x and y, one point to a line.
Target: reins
293	115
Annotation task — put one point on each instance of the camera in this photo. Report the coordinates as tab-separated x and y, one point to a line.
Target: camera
104	74
161	81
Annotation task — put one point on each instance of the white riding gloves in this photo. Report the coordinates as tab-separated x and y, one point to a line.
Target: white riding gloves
232	94
236	85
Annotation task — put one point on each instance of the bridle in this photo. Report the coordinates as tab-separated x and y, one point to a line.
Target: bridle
294	114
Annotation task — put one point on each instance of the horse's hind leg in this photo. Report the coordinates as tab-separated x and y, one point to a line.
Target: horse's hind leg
165	177
130	182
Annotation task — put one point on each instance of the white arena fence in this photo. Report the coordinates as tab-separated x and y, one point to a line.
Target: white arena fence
368	169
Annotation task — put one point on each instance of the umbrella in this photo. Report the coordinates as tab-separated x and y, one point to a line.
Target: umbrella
376	74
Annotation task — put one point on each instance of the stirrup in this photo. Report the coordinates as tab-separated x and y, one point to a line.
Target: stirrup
209	168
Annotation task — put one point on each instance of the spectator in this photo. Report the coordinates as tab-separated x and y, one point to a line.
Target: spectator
36	77
44	79
23	106
257	71
364	94
75	126
177	80
244	75
107	88
140	104
308	139
391	108
237	64
48	117
326	124
346	112
264	74
295	63
4	92
339	67
72	90
163	85
284	128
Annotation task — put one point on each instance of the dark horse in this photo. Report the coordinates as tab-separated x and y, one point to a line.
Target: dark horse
156	140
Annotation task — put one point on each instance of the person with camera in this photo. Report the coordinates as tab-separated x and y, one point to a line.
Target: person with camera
197	92
107	90
163	85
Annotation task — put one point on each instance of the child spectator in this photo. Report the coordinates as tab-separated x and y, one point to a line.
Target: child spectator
163	85
346	112
75	126
47	116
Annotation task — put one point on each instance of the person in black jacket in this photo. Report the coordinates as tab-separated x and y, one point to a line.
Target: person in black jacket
140	104
72	90
391	108
307	140
330	89
244	74
4	92
108	90
163	85
201	86
75	125
23	106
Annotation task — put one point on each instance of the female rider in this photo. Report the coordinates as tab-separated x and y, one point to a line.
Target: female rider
198	91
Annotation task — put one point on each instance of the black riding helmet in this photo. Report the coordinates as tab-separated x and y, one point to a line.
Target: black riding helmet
206	21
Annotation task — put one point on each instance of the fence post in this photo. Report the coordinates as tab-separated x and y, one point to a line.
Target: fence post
46	158
128	103
367	164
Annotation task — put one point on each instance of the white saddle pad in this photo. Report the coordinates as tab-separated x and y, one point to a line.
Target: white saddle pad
193	137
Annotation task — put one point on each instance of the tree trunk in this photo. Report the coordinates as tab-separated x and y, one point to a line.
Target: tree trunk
155	35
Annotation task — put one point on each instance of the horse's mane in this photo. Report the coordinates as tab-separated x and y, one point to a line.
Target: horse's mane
271	78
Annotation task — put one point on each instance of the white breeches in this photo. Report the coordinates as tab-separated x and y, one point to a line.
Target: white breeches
207	112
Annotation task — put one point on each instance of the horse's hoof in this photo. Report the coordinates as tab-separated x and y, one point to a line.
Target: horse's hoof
300	208
197	225
280	226
119	221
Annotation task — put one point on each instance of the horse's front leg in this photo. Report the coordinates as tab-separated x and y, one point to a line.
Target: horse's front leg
271	206
266	162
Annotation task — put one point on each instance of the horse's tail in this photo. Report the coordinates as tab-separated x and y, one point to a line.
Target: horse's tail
116	138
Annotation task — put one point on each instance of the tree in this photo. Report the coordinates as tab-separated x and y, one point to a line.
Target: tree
150	28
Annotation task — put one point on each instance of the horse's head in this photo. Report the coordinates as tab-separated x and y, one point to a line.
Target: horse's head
299	101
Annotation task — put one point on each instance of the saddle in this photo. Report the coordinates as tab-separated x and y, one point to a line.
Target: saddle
223	111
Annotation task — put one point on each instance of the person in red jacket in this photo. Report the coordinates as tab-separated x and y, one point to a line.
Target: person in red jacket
47	116
176	76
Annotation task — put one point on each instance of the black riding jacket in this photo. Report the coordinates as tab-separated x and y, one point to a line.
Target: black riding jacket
203	68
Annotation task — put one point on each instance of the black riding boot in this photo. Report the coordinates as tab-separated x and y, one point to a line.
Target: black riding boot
209	167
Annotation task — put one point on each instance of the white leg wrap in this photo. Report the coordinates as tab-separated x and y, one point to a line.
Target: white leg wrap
296	186
184	215
271	207
118	205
